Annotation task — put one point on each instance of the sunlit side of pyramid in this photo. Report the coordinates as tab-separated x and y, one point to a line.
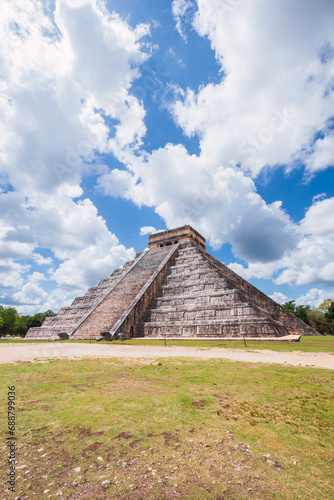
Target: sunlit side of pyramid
174	289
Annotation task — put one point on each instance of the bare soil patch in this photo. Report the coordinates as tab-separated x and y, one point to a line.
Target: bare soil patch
13	353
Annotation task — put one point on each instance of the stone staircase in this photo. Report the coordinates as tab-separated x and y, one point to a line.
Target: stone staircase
65	322
101	307
196	300
110	309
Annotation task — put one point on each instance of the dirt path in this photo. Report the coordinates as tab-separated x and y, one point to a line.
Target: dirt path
11	353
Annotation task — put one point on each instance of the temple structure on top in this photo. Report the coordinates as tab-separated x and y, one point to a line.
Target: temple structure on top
182	234
174	289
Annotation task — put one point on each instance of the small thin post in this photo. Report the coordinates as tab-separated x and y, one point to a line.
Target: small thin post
245	341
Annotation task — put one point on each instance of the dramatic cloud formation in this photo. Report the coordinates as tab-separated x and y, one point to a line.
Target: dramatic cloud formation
65	77
222	204
277	88
72	111
311	262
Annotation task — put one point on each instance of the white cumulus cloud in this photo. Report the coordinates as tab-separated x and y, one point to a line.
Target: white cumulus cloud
222	204
65	98
280	298
147	230
276	89
311	261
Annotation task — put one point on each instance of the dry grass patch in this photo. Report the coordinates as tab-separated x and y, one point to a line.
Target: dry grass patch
171	429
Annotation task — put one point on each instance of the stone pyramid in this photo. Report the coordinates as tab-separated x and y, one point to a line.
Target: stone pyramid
173	289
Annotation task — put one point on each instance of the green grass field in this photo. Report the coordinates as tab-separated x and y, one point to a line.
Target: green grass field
170	429
306	344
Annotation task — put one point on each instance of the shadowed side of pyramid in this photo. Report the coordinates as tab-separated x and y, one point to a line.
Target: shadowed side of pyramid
174	289
202	298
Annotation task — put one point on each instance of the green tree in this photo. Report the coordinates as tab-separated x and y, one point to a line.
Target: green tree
2	309
301	313
8	315
38	318
35	320
12	323
329	315
1	323
325	305
290	306
318	321
49	313
20	325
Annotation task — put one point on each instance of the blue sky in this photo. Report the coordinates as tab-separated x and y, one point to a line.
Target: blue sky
123	117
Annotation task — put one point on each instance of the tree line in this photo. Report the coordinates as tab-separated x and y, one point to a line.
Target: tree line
14	324
321	318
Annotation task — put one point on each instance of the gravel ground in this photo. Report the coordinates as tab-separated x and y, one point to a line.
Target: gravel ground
12	353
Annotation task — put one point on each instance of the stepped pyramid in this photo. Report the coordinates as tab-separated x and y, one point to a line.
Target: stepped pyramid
173	289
